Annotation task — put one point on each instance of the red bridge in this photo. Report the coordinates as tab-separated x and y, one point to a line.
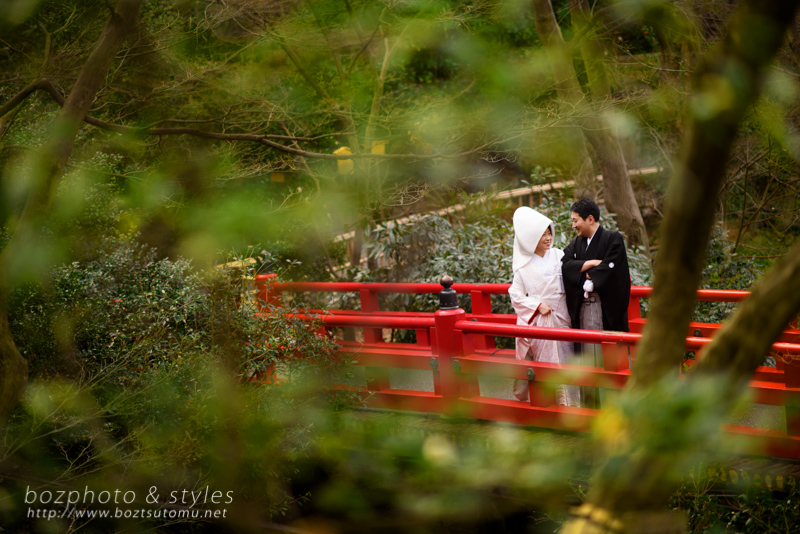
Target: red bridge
458	347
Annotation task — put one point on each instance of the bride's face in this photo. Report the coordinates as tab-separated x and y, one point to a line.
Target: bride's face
546	241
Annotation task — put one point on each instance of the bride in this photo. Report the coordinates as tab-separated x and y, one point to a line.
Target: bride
537	294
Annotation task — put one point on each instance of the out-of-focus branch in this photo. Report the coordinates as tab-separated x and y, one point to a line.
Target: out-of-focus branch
266	140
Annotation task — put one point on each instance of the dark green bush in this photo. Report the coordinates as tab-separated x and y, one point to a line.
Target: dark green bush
125	312
724	270
715	505
123	308
144	367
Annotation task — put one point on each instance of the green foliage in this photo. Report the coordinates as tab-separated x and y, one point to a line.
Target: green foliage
430	247
125	312
715	505
724	270
171	377
124	307
412	474
282	456
186	426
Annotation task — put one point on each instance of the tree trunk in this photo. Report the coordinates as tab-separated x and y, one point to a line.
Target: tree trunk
619	194
358	246
46	175
59	146
643	456
591	51
13	368
692	196
669	56
620	198
569	91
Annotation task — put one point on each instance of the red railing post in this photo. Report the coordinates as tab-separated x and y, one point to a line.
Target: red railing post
447	344
437	376
540	394
369	304
423	337
377	377
265	293
634	308
266	296
481	305
615	357
465	346
791	370
446	336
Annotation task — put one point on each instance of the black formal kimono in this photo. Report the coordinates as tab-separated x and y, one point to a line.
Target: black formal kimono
612	280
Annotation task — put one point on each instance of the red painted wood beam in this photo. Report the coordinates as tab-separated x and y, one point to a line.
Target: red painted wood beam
407	400
721	295
398	359
753	440
522	413
544	372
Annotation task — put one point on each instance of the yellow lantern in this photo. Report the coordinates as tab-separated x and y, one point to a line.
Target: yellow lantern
379	147
345	166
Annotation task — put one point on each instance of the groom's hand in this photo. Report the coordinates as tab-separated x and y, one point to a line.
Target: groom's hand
588	264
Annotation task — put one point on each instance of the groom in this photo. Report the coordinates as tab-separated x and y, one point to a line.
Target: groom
597	282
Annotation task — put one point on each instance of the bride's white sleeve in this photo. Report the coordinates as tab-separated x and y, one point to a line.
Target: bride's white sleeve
557	269
524	302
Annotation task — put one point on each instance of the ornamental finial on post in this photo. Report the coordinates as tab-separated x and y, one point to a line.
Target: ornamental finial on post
448	299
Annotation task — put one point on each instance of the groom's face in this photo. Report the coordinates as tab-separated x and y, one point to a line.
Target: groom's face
582	226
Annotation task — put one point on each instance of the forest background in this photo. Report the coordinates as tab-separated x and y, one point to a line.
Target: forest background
144	142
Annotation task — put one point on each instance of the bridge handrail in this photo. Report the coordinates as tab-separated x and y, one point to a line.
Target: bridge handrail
707	295
718	295
381	287
629	339
361	321
587	336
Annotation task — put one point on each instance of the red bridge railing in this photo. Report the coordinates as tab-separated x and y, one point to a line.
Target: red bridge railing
458	347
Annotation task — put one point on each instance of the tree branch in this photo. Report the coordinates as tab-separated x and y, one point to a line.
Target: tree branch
266	140
43	84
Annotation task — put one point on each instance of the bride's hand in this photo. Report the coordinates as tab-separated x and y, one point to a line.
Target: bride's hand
544	309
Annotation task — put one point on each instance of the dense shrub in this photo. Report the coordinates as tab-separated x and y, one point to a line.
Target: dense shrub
430	247
122	308
714	504
724	270
125	312
144	367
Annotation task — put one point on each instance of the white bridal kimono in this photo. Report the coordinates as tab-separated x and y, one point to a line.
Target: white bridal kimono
537	279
